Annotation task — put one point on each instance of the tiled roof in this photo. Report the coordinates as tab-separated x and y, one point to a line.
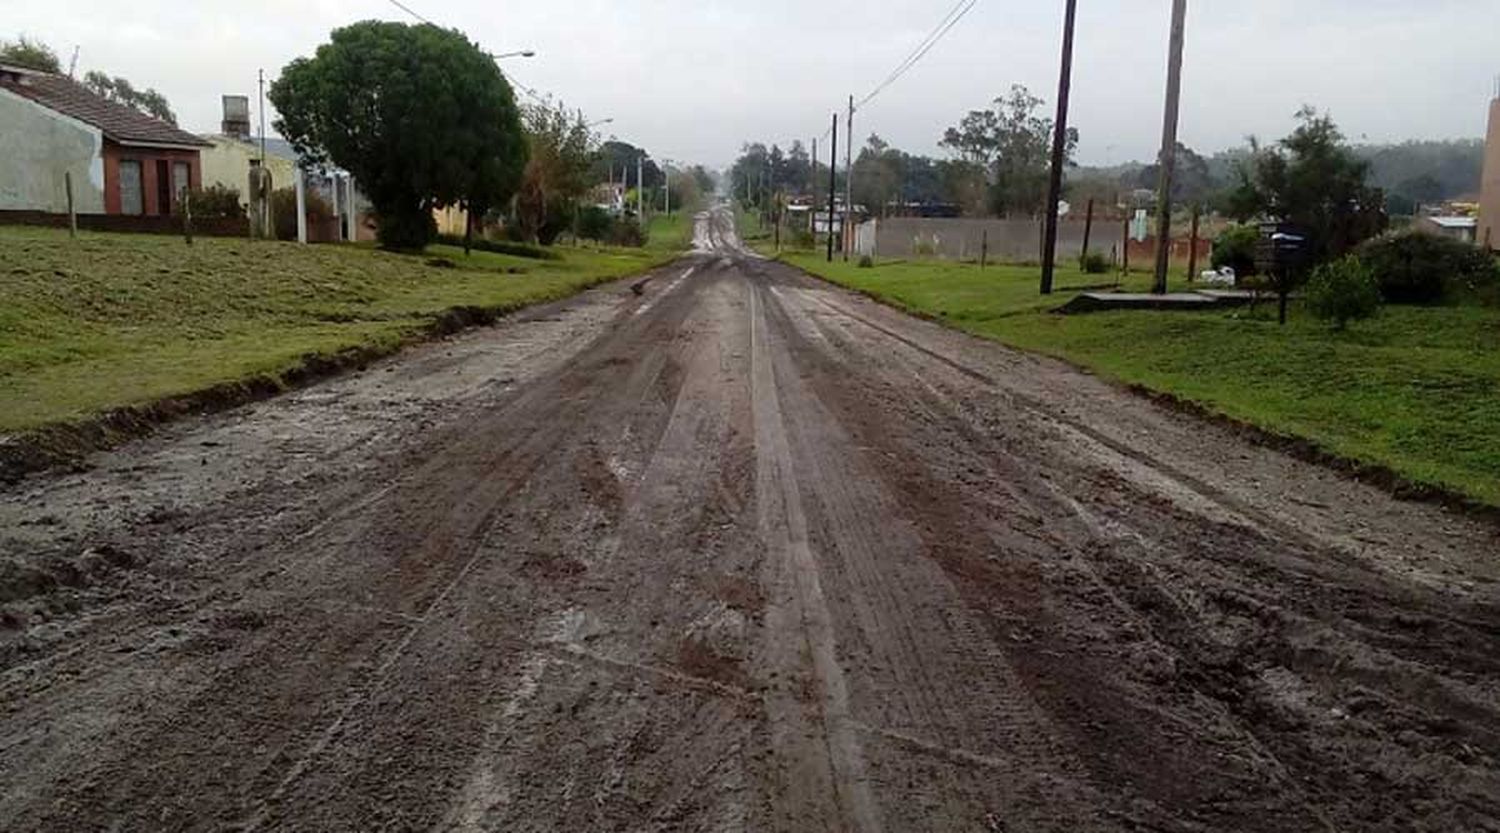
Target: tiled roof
117	122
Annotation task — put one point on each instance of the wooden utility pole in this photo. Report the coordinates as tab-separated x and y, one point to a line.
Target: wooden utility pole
1088	228
72	213
1168	159
847	232
1059	149
1193	247
833	183
1125	249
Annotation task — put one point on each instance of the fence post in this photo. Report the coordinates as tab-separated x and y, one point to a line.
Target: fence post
72	215
984	247
186	201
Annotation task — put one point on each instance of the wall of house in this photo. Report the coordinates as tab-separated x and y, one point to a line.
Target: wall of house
114	154
1489	201
38	147
228	163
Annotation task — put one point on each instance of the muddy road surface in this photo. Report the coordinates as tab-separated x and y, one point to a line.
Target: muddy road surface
731	549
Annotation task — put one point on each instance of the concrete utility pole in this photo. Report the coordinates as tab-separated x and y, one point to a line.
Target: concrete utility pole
1059	150
833	182
640	188
1168	158
845	231
666	187
299	179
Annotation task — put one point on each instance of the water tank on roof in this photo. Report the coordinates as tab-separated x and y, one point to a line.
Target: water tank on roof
237	116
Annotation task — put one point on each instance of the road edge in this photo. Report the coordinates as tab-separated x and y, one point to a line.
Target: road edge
1305	449
67	444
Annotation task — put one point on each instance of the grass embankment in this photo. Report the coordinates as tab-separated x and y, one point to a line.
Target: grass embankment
1416	390
113	320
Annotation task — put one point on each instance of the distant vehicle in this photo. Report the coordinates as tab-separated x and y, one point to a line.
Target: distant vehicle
1223	276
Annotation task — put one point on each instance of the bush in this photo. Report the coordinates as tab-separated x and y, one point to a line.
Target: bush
284	211
866	262
499	247
1343	290
217	201
1093	263
594	223
1235	248
1420	268
627	232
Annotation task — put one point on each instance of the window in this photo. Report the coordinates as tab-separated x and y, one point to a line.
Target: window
181	180
131	197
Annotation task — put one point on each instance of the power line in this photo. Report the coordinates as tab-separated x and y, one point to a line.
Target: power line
405	8
949	20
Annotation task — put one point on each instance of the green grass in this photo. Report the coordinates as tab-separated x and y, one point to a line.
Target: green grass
670	232
1416	390
111	320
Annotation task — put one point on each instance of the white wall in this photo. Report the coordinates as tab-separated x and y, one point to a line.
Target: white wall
37	147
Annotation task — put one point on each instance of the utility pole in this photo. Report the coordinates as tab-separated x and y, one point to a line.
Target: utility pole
1088	228
666	187
640	188
1168	158
833	183
262	79
845	231
1193	247
1059	149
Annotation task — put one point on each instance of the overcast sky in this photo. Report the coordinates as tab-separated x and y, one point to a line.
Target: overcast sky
692	80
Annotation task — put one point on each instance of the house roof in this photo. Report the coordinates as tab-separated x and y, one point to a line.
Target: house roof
279	148
117	122
1455	222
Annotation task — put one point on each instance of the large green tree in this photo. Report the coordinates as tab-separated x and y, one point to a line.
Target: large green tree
1315	181
1012	143
25	52
420	115
559	172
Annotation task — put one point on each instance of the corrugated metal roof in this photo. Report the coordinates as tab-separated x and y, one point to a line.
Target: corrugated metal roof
117	122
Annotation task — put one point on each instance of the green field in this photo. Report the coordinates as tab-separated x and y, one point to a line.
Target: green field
110	320
1416	390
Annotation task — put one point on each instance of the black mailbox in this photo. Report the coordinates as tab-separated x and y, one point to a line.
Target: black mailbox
1282	249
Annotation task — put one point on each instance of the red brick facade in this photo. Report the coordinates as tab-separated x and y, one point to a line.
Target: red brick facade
152	190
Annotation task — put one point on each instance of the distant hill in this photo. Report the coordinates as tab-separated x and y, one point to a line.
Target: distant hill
1418	171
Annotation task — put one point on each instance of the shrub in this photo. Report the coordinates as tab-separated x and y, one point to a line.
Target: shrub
1093	263
594	223
217	201
1420	268
284	211
1343	290
866	262
1235	248
627	232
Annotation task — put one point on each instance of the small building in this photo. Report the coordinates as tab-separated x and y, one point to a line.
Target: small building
232	152
1458	228
121	161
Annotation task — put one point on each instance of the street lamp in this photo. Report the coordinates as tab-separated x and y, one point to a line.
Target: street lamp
525	53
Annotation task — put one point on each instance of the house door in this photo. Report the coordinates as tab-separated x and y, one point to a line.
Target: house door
163	187
131	200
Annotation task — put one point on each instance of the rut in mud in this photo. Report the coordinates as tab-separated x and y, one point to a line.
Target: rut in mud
735	550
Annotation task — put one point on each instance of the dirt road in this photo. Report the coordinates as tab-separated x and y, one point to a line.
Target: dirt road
733	550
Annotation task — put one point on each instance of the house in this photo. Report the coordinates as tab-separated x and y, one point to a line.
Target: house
232	152
1488	232
121	161
1456	227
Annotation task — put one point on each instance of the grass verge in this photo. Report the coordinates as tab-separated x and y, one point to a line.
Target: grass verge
111	321
1415	391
